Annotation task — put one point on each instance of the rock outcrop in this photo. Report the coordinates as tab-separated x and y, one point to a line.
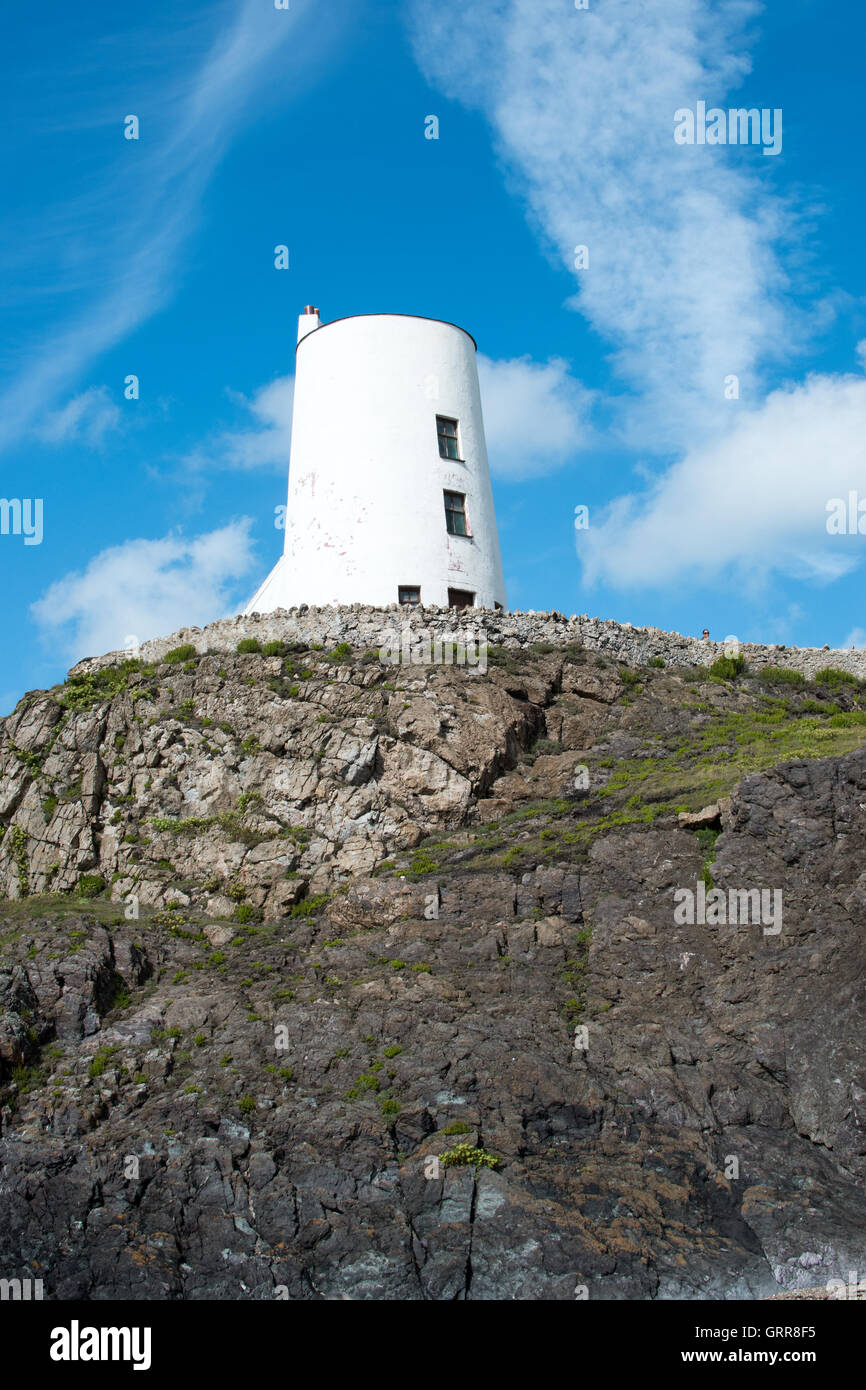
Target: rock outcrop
324	979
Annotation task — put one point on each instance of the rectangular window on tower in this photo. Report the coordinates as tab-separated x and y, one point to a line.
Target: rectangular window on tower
455	514
408	593
449	444
461	598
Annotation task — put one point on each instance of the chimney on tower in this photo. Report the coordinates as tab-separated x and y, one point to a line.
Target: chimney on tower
307	321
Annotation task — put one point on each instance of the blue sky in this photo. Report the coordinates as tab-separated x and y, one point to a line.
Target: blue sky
602	386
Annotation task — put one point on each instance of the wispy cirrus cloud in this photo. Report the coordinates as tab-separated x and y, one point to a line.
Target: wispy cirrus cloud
128	230
684	276
88	416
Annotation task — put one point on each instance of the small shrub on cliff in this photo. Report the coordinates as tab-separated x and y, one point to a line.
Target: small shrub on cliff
727	668
308	907
32	761
121	997
831	675
247	645
543	747
507	660
816	707
177	654
272	649
90	886
245	912
18	841
82	692
781	675
423	863
465	1156
706	836
100	1061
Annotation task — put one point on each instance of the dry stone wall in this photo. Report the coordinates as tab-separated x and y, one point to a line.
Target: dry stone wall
366	628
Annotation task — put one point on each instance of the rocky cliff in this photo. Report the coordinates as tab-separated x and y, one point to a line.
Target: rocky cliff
322	978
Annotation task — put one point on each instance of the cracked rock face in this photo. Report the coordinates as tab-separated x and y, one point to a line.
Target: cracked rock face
405	1013
333	766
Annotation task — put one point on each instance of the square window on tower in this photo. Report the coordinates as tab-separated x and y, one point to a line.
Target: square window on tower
449	446
455	514
408	593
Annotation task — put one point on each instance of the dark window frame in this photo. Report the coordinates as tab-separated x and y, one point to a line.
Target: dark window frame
451	513
408	589
468	594
446	440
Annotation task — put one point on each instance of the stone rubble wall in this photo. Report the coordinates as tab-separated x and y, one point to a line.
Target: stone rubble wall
366	628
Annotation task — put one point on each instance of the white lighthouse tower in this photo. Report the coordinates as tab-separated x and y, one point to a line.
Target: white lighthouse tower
389	486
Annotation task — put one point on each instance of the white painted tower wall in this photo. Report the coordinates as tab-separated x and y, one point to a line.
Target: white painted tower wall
366	511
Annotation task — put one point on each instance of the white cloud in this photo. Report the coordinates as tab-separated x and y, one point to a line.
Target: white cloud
146	588
856	637
265	444
683	278
755	501
88	416
535	415
134	225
